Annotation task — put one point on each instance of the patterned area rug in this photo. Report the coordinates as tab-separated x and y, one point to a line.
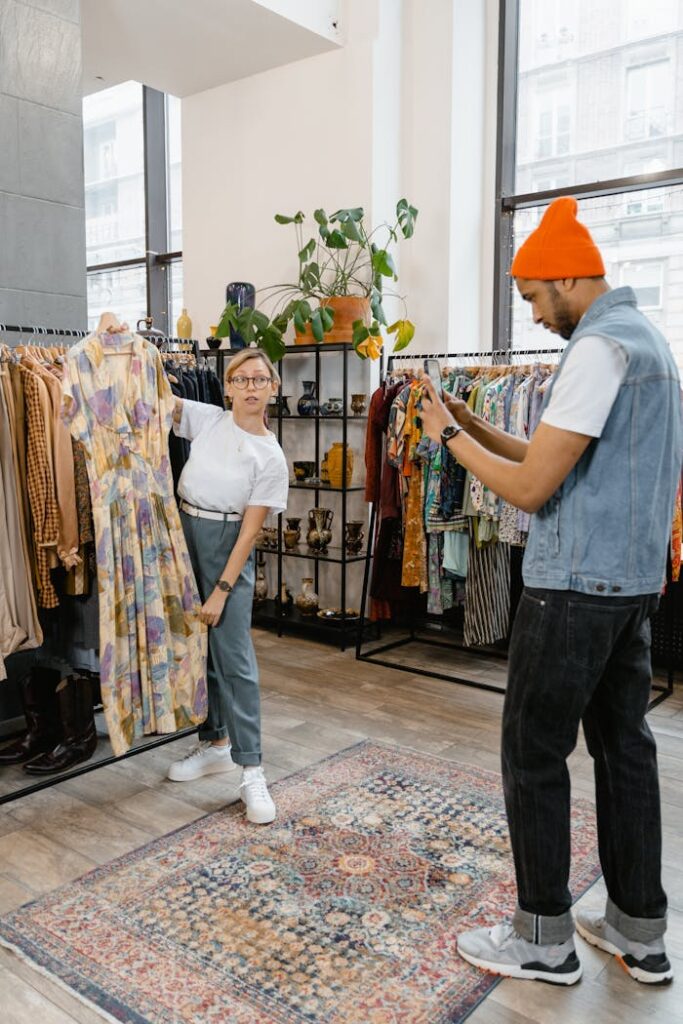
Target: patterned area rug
345	911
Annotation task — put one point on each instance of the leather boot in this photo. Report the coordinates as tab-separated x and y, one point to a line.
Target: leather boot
42	717
79	738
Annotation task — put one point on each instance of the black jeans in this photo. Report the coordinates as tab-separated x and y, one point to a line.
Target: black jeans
575	658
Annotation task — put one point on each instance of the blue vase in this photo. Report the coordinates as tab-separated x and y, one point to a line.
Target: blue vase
308	403
243	295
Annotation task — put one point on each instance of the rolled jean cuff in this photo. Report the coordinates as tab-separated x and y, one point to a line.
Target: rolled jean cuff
212	734
248	760
543	930
637	929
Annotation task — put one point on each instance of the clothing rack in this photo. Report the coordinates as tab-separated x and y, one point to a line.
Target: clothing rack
40	332
416	632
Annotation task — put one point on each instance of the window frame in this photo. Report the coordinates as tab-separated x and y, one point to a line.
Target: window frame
507	201
157	258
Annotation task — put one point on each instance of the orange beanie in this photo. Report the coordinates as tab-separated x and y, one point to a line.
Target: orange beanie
559	247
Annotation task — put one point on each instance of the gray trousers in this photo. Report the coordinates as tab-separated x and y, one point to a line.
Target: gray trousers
232	672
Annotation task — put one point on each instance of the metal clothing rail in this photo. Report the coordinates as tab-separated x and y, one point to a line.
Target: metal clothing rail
66	332
415	634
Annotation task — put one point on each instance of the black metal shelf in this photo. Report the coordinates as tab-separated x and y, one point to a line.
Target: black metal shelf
296	485
316	556
321	417
268	614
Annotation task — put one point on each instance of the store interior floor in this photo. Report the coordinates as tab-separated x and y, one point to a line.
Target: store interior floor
326	703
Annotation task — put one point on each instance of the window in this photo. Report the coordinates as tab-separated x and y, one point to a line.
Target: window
590	128
647	88
130	130
645	277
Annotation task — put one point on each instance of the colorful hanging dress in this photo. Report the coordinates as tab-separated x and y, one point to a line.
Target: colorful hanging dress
152	644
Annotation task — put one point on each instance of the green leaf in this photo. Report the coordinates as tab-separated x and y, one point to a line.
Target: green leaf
383	263
228	319
299	321
376	305
317	325
350	231
324	232
260	320
404	331
343	216
327	316
336	240
298	218
272	344
310	276
307	251
360	332
406	216
374	330
320	217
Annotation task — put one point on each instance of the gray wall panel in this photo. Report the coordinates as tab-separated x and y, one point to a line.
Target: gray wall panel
50	154
40	57
9	144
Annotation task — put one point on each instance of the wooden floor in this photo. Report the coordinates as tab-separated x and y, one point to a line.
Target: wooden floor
317	701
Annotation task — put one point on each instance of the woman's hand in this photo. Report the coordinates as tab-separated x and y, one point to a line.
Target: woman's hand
212	609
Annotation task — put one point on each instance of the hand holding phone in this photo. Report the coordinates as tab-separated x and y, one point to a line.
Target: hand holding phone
433	371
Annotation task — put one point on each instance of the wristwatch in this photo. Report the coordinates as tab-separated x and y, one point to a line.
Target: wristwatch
452	430
224	586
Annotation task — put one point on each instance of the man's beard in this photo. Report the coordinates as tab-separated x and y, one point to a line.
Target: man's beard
564	321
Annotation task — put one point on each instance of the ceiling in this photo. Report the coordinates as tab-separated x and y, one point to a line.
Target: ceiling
185	47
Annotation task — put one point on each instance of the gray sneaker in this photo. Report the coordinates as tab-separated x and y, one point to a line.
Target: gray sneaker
644	961
502	950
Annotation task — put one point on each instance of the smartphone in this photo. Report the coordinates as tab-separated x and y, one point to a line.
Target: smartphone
433	371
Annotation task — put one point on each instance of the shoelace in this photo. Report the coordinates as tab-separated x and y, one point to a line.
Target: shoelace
257	787
196	750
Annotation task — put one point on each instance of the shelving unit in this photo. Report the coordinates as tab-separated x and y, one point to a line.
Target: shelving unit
269	614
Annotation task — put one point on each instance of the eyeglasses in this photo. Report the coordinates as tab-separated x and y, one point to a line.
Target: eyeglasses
243	382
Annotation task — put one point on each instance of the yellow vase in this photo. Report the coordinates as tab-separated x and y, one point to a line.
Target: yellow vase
184	326
335	464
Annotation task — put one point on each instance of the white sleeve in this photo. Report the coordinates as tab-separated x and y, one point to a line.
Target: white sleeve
271	490
587	387
196	416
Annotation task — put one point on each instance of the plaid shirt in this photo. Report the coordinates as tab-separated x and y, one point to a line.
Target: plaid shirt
40	485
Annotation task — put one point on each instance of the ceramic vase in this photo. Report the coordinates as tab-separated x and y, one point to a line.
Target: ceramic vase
261	584
284	602
354	537
243	295
319	529
184	325
332	407
335	464
308	403
294	523
358	404
307	600
291	538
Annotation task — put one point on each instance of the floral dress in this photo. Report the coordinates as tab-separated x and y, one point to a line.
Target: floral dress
152	644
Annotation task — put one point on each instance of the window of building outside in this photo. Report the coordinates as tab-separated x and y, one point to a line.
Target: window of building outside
596	101
115	204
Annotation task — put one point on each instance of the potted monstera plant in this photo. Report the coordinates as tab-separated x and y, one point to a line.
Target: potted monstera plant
345	271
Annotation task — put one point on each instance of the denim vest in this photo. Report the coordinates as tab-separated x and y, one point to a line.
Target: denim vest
606	530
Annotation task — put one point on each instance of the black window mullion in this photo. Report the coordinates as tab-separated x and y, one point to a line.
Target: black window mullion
508	41
156	205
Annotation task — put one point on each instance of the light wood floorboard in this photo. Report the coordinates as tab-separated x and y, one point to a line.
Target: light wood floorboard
324	703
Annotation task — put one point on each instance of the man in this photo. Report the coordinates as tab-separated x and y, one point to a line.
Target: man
599	476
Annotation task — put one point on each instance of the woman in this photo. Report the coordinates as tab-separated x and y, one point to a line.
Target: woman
235	476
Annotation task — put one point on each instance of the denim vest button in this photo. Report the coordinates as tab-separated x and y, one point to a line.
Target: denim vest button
600	587
615	590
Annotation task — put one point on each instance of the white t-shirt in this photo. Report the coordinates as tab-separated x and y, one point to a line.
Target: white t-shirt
586	390
228	468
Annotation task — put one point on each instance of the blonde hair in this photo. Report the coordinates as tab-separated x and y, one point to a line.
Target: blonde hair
244	356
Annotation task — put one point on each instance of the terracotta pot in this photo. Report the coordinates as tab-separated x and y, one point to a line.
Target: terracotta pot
347	308
335	464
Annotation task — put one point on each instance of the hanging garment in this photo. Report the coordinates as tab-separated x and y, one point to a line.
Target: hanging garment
487	594
152	644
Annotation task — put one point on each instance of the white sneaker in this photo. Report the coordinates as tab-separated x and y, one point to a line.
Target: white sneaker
254	793
204	759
